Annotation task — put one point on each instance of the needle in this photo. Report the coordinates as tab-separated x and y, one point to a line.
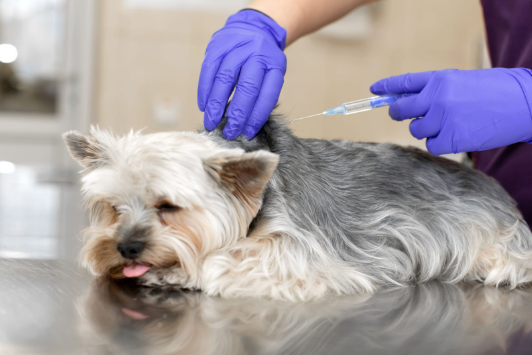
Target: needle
302	118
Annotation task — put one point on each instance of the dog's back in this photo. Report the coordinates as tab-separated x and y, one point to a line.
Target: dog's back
396	214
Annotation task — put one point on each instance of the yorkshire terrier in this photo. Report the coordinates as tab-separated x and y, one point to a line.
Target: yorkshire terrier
288	218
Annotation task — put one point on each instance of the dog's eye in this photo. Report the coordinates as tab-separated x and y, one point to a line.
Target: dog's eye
167	207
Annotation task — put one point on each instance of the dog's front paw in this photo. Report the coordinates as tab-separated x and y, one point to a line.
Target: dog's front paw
172	276
151	279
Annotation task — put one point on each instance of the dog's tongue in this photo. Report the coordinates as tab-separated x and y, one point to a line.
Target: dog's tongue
133	314
135	270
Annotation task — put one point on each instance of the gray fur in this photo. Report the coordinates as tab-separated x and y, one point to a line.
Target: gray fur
398	214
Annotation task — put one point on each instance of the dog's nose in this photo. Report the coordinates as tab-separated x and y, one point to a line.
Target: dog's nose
130	250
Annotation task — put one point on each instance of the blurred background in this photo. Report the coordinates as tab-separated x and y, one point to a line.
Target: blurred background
149	54
126	64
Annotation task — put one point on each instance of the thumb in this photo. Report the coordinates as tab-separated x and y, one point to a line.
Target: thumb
402	84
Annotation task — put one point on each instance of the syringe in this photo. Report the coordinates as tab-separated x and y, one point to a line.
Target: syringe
349	108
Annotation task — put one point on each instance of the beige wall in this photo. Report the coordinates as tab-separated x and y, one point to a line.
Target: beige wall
149	54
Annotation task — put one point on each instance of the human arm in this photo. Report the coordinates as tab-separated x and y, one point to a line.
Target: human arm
247	53
301	17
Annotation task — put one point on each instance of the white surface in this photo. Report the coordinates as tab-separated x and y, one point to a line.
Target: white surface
28	216
8	53
6	167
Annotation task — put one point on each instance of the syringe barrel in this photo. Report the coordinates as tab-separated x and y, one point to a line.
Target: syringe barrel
371	103
358	106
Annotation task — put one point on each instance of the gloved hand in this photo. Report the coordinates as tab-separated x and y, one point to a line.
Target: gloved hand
246	52
464	110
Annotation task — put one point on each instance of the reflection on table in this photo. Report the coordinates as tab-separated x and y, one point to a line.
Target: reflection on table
435	318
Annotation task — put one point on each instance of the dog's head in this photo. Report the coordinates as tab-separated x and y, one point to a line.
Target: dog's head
164	199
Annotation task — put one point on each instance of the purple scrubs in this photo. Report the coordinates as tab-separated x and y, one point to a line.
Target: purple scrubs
509	34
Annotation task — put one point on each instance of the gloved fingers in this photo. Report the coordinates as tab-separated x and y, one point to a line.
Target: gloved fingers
402	84
425	127
409	107
222	87
209	68
206	79
247	90
268	97
439	145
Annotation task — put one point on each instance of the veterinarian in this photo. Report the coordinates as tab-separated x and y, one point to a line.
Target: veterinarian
486	112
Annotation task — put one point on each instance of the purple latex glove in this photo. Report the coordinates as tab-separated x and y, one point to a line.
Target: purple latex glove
464	110
247	53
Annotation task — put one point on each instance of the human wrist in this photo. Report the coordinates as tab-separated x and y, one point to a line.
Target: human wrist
261	22
286	14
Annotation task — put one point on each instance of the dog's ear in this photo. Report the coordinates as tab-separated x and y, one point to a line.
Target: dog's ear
85	150
245	175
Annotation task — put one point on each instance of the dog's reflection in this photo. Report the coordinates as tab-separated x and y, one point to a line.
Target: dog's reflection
120	317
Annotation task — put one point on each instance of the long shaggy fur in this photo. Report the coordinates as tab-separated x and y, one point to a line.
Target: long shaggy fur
294	219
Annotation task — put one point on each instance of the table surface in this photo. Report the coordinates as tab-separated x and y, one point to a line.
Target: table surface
49	305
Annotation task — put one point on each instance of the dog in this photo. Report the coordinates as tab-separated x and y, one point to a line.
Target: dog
292	219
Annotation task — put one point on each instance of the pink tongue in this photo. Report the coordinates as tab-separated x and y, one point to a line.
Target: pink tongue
133	314
135	270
